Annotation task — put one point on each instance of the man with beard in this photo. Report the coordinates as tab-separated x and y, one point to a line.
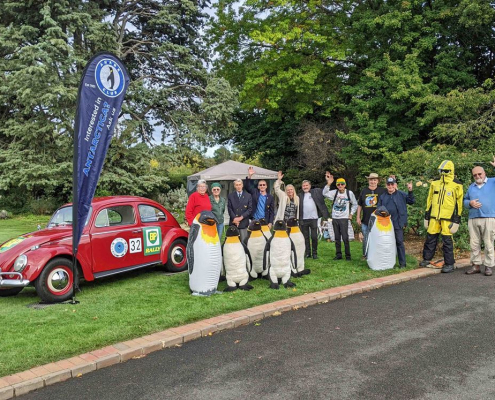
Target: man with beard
480	198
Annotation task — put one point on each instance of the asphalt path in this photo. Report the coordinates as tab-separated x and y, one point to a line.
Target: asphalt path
429	338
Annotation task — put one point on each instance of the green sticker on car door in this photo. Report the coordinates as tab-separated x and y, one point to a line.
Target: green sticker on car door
152	238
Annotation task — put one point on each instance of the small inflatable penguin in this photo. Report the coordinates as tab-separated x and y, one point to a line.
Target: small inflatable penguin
237	263
298	239
380	245
265	228
256	245
204	255
277	256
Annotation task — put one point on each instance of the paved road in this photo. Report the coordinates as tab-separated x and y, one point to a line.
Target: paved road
430	338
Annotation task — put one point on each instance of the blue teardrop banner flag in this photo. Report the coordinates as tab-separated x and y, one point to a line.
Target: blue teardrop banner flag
102	90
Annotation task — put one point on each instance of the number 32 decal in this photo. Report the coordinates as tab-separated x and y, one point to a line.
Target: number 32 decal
135	245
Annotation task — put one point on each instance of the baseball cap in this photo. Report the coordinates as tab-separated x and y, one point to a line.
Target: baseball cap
216	184
391	180
341	180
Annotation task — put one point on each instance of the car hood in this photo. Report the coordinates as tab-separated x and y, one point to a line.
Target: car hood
14	247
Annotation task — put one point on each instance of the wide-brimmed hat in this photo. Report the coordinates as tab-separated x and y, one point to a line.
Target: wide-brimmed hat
373	176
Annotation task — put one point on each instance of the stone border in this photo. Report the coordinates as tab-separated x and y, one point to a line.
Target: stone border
23	382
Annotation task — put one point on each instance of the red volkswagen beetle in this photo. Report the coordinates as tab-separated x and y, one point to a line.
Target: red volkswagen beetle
122	233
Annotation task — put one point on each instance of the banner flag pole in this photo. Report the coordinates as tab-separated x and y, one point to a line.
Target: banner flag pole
99	101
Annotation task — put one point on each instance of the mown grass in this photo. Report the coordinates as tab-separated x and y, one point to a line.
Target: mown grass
13	227
139	303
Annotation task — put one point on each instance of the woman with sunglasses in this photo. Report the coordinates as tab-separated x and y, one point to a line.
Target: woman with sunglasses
218	206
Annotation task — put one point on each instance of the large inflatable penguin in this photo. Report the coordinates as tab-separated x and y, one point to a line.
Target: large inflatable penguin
380	245
298	239
237	264
256	245
265	228
277	257
204	255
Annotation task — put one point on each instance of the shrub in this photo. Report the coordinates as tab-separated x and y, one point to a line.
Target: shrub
175	201
44	206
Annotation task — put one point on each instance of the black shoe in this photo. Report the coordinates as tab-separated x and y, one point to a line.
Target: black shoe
402	266
337	258
447	268
348	258
308	256
424	263
315	257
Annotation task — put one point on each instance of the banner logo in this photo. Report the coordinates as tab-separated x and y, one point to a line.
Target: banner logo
109	78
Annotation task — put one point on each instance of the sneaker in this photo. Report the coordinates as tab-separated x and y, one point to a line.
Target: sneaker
488	271
337	258
447	268
424	263
348	258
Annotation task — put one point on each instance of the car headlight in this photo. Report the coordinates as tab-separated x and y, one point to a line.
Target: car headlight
20	263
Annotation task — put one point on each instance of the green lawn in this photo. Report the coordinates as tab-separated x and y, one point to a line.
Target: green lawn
139	303
10	228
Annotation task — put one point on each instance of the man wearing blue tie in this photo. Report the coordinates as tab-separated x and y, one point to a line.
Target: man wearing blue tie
240	207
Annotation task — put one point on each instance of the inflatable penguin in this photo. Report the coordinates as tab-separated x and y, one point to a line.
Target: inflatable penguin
265	228
204	255
380	245
298	239
277	256
256	245
237	264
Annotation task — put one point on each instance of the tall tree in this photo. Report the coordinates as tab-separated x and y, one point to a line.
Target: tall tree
44	45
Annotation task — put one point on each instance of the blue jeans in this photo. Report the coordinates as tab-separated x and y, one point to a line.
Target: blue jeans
220	230
364	230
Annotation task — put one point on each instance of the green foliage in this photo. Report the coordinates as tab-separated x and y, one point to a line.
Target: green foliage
175	201
44	48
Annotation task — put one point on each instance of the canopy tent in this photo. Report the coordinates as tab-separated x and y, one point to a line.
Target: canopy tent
226	173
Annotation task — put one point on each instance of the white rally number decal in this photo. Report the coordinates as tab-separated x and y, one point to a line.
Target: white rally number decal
135	245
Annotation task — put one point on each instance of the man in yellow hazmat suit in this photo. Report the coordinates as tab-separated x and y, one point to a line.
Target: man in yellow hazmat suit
443	215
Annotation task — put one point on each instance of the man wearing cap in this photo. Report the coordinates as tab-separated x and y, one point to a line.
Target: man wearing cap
344	206
263	202
368	199
395	201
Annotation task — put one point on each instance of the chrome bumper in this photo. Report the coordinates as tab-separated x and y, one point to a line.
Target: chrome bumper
12	283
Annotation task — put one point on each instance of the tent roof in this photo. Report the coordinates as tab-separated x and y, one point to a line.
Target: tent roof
230	170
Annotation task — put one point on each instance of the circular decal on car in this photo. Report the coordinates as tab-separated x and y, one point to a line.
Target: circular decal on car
109	78
119	247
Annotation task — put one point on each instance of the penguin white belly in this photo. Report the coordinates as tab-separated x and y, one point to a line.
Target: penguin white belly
207	266
280	252
256	246
381	245
299	244
234	260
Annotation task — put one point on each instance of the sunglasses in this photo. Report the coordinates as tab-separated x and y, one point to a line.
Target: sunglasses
261	184
444	171
215	189
340	184
390	183
480	174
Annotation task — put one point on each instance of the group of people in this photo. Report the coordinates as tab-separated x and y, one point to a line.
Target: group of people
442	217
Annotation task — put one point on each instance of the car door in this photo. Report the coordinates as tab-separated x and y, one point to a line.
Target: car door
154	226
116	239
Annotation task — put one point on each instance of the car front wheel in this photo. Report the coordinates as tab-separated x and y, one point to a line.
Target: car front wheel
177	261
55	281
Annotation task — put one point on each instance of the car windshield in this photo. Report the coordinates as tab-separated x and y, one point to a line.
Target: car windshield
63	216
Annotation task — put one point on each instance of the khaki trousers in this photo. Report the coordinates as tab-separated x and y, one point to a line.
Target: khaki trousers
482	230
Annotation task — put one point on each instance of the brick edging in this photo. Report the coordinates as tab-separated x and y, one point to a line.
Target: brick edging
23	382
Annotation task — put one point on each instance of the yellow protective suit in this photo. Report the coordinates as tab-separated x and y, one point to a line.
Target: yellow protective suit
444	203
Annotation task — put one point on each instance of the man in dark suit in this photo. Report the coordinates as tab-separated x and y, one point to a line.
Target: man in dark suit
263	202
240	206
311	207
